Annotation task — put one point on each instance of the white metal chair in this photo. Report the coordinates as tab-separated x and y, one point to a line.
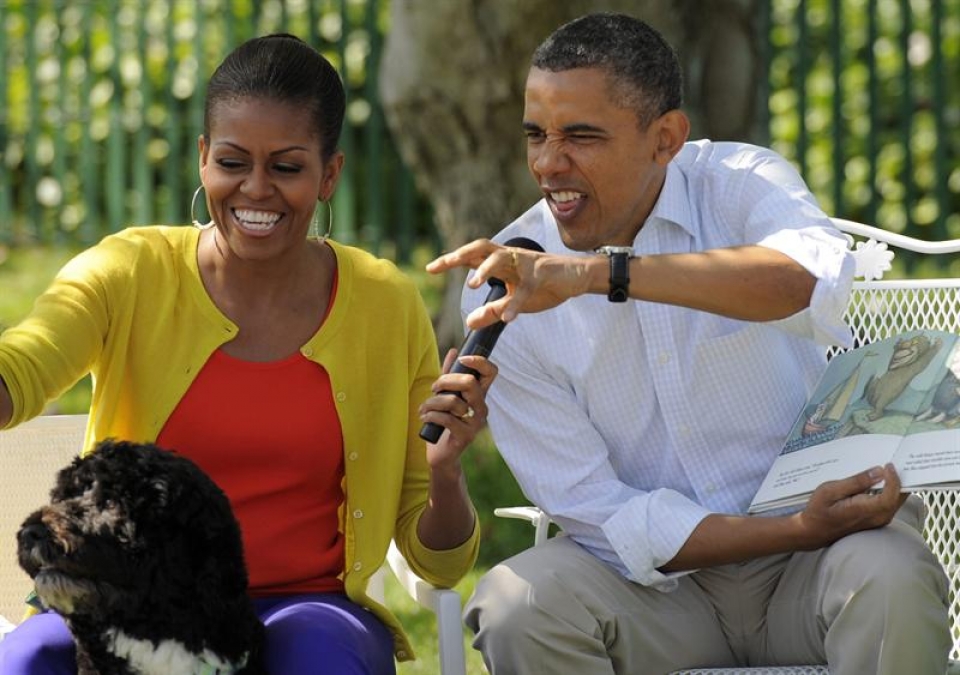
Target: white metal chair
32	453
878	308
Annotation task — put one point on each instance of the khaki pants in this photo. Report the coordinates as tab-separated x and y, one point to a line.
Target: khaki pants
873	602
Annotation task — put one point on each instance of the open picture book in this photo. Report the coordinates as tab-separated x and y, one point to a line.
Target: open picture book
896	400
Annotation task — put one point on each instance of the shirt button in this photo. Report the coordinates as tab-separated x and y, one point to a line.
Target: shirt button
358	514
341	396
357	566
711	488
353	456
401	654
307	351
664	358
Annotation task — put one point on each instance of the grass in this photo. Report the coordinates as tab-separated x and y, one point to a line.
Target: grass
26	272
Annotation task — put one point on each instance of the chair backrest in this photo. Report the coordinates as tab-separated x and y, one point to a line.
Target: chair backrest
30	457
880	308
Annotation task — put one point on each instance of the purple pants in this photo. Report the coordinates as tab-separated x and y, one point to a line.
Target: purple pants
321	633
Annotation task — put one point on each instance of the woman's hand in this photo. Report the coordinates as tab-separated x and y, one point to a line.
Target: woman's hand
462	416
449	517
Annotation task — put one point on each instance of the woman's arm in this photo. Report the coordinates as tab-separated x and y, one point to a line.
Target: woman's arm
448	519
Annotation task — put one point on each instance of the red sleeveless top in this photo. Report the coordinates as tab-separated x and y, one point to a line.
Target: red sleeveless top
269	435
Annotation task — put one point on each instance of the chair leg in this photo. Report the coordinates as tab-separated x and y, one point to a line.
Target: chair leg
450	633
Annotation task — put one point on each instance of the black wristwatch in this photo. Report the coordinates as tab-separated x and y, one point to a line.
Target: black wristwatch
619	271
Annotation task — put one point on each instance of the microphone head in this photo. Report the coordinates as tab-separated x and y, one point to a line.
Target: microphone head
517	242
523	242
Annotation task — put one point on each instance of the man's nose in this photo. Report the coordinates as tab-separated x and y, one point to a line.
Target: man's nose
551	158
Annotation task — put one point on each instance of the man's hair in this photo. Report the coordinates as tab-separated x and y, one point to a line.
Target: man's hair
642	66
285	69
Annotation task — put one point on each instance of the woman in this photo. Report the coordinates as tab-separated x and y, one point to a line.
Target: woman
296	371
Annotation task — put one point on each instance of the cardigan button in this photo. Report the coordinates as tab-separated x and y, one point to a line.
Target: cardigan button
341	396
353	456
357	566
358	514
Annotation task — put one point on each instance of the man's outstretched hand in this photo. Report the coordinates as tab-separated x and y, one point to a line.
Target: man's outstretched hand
535	281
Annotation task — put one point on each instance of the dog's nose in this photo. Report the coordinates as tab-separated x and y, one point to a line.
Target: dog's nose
30	534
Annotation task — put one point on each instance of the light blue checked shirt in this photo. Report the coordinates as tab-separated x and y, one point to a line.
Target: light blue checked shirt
629	423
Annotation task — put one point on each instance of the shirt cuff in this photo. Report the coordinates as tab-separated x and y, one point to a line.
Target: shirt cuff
833	267
649	531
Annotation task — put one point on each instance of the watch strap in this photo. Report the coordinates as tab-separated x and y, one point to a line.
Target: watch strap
619	277
619	257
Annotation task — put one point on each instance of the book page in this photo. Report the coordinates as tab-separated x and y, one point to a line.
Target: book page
929	458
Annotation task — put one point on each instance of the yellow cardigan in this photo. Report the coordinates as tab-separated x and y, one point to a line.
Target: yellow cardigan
133	311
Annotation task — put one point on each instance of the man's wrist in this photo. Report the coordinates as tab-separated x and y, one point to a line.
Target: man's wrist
618	258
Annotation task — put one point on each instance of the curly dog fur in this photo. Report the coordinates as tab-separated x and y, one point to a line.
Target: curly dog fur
139	551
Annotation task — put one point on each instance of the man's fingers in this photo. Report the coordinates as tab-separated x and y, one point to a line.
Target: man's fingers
469	255
861	482
486	314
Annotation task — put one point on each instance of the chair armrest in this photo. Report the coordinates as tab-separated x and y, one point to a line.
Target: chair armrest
443	602
533	515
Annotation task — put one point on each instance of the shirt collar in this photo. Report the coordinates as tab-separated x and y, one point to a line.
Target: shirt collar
673	204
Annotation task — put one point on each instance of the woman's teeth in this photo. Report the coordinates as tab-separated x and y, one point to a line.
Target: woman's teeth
257	220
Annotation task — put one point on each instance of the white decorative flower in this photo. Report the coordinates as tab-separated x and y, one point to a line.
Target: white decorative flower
873	259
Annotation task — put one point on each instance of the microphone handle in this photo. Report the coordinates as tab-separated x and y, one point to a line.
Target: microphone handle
478	342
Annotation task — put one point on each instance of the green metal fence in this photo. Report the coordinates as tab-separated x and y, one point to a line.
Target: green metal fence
101	105
865	98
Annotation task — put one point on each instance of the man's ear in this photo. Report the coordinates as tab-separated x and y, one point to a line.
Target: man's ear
673	129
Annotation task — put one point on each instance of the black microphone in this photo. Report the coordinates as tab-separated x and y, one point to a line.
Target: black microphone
480	342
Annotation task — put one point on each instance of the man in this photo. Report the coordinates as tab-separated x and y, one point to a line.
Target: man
644	426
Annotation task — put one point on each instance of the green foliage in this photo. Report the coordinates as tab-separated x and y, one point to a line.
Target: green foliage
863	101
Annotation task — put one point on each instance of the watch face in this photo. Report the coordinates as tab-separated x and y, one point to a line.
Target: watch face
610	250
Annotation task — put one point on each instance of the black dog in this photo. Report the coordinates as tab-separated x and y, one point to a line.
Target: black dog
140	552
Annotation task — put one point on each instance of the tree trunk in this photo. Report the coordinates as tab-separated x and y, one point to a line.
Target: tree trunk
451	84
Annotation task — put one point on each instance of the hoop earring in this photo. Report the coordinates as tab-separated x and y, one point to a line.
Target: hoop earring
193	205
316	221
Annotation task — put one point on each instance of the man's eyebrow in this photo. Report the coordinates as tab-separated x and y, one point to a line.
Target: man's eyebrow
576	128
581	127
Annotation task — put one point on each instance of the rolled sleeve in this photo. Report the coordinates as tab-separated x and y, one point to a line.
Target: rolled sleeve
826	257
649	530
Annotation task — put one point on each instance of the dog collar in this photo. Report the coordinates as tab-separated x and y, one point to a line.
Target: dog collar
207	668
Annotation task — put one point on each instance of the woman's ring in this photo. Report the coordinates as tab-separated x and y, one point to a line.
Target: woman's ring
467	415
514	258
